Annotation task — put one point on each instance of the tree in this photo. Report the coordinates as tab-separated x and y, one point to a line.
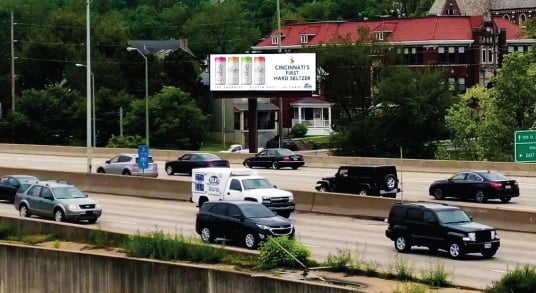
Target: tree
175	120
221	28
411	109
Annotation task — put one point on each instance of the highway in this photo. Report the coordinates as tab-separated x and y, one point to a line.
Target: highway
322	233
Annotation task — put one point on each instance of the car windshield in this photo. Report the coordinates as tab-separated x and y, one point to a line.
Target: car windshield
492	176
67	192
256	211
453	216
258	183
285	152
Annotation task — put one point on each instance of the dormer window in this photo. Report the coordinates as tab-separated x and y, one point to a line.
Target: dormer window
379	36
304	39
275	40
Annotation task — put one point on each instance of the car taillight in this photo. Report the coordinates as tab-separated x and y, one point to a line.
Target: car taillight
495	184
286	159
210	163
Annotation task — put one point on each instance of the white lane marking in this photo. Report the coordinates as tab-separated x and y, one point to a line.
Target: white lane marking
121	222
499	271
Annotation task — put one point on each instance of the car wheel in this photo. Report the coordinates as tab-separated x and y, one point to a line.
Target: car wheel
247	163
275	165
206	235
489	253
101	170
505	199
363	191
126	172
480	197
59	216
402	244
24	211
251	241
169	170
390	182
438	194
455	250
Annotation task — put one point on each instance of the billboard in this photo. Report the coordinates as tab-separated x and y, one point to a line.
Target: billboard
263	72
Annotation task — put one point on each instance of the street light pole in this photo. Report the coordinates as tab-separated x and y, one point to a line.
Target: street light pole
88	87
93	117
146	94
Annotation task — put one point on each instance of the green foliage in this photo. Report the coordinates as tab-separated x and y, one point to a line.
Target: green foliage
341	261
401	269
408	287
128	141
436	275
299	130
101	239
5	230
275	253
345	260
521	279
158	245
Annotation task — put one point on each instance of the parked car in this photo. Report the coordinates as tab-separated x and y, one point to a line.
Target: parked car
275	158
127	164
237	148
362	179
439	226
59	200
245	222
477	185
287	143
187	162
11	184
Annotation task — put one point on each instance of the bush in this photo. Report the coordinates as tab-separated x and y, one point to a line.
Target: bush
128	141
299	130
522	279
272	255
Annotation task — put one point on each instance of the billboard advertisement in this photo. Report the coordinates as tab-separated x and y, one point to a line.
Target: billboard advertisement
263	72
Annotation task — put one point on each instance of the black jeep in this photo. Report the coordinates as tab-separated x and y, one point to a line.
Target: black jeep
439	226
362	179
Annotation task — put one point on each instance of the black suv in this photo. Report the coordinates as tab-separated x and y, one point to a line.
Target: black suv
439	226
363	180
245	222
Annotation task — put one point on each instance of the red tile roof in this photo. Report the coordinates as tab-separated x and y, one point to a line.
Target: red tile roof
422	29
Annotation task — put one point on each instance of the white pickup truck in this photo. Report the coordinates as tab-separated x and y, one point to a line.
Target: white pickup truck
211	184
236	148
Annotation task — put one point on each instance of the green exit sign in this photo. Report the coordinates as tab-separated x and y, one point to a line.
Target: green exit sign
525	146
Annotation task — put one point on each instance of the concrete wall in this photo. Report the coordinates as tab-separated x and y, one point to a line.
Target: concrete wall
311	160
321	202
35	270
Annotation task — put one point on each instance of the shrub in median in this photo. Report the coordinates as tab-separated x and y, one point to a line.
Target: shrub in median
521	279
282	252
299	130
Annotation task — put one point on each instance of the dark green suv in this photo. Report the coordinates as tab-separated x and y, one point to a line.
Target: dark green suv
439	226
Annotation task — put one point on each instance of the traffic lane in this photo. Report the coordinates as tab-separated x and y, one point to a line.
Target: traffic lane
324	234
414	184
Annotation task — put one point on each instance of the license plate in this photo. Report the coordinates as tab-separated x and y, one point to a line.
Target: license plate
508	187
487	245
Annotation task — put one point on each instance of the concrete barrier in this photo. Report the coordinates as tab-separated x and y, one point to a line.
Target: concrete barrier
352	205
311	160
38	269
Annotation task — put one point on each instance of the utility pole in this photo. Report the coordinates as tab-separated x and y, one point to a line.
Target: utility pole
12	64
280	114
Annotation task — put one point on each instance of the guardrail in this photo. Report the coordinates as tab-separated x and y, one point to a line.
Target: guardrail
509	168
329	203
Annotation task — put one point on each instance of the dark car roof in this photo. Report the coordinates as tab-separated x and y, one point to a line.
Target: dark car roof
20	176
368	166
429	205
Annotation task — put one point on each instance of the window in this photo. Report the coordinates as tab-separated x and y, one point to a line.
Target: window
236	120
219	209
235	185
461	84
233	211
487	55
510	49
4	180
429	216
35	191
275	40
379	36
415	214
46	193
304	39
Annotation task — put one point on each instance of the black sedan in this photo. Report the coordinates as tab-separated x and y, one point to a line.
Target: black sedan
276	159
11	184
477	185
187	162
244	222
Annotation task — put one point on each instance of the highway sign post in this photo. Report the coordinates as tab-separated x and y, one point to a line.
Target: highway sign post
143	156
525	146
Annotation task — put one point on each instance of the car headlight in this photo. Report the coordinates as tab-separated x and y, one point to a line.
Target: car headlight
266	199
263	227
494	234
73	207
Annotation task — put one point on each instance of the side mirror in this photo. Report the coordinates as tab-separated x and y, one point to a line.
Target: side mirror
107	162
432	222
85	195
275	186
